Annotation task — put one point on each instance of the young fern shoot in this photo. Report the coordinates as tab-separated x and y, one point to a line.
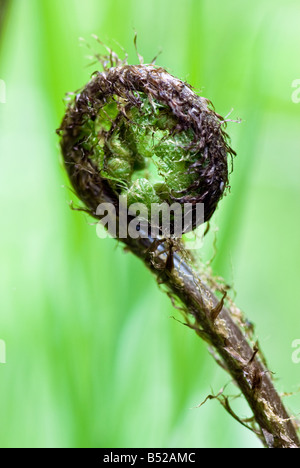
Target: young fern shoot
138	134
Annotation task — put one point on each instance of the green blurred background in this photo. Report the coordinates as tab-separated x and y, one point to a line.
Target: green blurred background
93	357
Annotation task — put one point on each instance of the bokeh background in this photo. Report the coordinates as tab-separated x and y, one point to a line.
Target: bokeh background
93	357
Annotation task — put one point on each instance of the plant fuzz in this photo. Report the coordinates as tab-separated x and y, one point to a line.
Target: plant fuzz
140	132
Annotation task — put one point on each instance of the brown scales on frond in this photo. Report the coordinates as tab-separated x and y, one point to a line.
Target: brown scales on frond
191	112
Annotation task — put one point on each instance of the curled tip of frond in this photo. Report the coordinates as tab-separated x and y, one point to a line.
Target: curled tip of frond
141	108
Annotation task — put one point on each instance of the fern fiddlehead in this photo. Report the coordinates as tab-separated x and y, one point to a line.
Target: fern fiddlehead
140	133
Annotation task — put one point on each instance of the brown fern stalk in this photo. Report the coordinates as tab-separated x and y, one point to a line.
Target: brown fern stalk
218	326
